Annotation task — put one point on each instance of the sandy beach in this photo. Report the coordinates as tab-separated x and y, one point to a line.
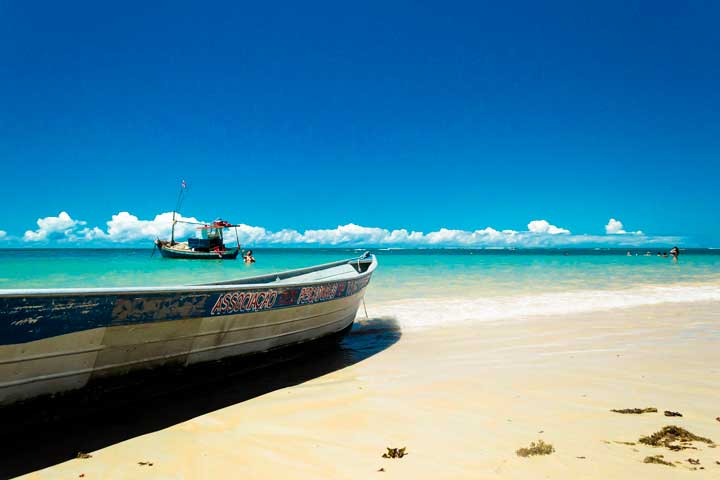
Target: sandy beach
462	399
368	240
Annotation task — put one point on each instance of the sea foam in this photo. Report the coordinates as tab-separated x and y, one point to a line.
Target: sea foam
421	313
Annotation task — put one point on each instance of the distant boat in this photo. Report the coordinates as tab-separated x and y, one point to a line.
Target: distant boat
54	340
210	246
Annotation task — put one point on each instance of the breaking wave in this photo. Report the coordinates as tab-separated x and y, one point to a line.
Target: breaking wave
419	313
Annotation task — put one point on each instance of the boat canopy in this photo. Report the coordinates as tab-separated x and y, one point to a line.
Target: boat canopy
217	224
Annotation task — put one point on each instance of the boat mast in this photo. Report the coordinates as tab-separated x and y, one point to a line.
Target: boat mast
183	186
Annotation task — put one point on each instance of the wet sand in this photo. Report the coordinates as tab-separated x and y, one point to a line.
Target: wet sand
462	398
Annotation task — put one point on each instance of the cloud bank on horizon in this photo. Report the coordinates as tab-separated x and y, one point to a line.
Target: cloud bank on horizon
127	229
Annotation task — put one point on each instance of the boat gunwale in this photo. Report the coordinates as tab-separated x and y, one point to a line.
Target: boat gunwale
190	252
245	283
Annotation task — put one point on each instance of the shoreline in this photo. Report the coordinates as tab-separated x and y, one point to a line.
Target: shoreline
462	399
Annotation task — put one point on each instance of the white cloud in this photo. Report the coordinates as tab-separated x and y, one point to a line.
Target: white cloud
53	228
542	226
126	228
121	228
615	227
3	234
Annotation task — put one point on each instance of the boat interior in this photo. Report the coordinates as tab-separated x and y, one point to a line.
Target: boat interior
341	270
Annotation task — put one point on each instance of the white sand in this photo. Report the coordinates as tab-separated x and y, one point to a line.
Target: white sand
462	399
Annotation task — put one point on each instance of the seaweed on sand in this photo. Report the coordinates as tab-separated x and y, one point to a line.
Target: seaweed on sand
635	410
657	459
669	437
539	448
395	453
669	413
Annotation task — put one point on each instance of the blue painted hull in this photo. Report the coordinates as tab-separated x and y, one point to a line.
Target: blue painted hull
62	339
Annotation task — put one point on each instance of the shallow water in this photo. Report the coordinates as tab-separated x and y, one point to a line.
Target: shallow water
421	286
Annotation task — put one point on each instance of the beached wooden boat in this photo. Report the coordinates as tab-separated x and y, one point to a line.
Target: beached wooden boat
54	340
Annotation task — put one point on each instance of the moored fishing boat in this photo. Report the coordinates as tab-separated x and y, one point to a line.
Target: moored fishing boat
54	340
210	245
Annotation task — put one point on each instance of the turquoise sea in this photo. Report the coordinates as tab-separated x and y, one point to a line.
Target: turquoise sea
403	274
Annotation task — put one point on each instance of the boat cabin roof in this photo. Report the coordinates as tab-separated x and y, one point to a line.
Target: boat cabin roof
217	225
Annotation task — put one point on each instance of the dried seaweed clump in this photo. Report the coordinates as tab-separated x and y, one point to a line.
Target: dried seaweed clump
83	455
657	459
670	436
635	410
394	453
539	448
669	413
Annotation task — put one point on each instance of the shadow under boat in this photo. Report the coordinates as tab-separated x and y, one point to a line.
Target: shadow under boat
48	431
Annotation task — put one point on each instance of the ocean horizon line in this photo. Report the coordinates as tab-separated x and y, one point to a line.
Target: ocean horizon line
634	249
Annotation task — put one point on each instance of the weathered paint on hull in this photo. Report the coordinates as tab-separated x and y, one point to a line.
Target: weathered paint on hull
71	361
59	340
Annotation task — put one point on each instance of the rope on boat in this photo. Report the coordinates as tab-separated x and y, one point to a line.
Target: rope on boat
364	255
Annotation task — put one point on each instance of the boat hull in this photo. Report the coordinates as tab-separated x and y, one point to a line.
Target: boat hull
169	252
55	343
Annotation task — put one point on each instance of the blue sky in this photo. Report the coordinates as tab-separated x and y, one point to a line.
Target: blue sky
391	115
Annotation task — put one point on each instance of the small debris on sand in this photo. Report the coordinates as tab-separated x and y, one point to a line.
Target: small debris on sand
539	448
669	413
657	459
381	469
394	453
694	461
83	455
581	458
625	443
670	434
149	464
635	410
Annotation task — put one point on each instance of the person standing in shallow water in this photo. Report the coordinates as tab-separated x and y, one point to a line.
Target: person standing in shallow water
675	252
